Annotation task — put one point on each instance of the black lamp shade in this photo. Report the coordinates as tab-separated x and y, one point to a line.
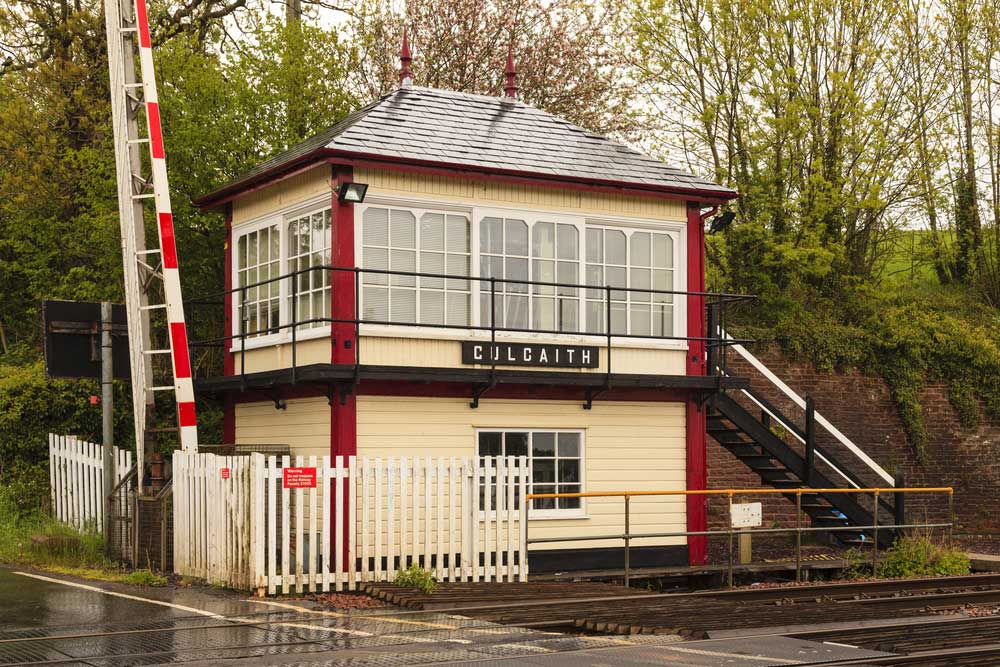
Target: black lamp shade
352	193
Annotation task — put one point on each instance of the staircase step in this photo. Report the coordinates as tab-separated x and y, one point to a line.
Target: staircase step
757	460
747	451
731	438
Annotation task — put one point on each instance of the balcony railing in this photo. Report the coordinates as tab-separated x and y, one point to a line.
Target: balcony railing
281	295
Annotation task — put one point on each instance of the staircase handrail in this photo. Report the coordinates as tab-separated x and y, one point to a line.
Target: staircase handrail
799	401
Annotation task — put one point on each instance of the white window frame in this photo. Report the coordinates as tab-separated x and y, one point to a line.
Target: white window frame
549	514
679	302
281	219
677	228
418	209
475	213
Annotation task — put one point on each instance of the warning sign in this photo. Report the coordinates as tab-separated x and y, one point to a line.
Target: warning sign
225	473
299	478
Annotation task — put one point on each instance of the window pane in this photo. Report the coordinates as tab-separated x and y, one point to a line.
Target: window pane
569	503
594	275
376	226
516	237
543	313
543	444
276	244
640	281
375	258
544	271
403	260
242	254
543	240
432	262
569	471
457	311
618	319
595	245
492	267
490	443
569	315
568	275
516	444
640	319
543	471
640	249
491	235
595	317
431	307
457	233
517	312
403	305
402	229
569	444
663	251
544	503
432	231
457	265
614	247
376	304
568	238
516	269
663	280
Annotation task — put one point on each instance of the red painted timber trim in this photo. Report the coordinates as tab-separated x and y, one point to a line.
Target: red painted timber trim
697	471
344	409
355	159
228	363
540	392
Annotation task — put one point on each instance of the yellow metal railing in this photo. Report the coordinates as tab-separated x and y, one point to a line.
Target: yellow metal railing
798	530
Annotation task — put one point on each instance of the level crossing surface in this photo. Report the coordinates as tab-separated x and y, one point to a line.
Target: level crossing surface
50	620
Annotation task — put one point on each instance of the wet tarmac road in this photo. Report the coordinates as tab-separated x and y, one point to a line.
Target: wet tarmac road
47	621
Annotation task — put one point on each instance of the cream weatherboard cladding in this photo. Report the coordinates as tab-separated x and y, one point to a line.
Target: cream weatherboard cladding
441	347
627	446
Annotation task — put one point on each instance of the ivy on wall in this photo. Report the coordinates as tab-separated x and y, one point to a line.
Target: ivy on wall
908	345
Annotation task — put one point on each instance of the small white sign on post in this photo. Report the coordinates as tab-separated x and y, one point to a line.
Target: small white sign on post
747	515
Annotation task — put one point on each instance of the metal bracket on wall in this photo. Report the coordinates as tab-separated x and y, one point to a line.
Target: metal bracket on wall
346	389
277	397
588	403
478	392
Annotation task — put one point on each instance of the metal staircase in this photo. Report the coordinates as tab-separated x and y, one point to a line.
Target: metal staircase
786	455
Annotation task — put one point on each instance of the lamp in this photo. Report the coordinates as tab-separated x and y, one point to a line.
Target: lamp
721	222
352	193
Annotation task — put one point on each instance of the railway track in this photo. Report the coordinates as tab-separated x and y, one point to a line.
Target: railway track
694	615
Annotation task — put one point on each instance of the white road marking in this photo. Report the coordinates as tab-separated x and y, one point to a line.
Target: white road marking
126	596
721	654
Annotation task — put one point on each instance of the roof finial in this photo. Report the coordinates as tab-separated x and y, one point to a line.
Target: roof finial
510	90
405	76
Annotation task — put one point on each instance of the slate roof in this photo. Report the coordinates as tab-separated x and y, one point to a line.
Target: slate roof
431	125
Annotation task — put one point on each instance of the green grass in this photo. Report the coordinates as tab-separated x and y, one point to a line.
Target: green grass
84	559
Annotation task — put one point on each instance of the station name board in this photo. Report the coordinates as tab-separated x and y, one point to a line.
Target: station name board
530	354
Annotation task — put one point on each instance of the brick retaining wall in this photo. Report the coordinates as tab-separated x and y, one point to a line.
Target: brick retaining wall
860	406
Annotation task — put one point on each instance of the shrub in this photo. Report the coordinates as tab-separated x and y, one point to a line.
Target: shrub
416	577
145	578
922	557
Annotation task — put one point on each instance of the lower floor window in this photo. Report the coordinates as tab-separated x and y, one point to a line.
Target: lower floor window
554	457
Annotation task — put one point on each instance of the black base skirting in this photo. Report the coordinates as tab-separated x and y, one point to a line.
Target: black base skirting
605	558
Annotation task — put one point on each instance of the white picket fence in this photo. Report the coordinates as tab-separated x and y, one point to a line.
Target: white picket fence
76	479
238	523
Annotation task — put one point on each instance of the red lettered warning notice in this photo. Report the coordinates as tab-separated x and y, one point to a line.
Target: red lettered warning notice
225	473
299	478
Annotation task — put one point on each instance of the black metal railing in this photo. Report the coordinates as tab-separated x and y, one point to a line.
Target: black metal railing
497	288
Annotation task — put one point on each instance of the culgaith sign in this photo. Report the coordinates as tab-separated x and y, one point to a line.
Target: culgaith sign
530	354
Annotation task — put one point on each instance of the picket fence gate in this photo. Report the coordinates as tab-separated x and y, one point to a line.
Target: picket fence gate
76	480
261	523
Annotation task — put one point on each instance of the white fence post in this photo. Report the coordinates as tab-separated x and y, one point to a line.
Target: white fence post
234	520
